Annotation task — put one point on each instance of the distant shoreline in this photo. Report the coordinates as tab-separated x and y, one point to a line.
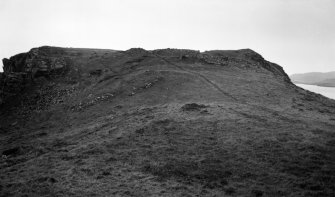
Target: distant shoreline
328	92
327	86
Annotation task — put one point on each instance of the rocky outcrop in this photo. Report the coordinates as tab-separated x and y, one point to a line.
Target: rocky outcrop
243	58
225	57
176	52
20	70
36	61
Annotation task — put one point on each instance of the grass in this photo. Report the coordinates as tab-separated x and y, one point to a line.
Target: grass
176	135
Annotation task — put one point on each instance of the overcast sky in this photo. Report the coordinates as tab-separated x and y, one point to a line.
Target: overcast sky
297	34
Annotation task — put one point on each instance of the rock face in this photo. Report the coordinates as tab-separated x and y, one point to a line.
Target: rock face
245	57
38	60
21	70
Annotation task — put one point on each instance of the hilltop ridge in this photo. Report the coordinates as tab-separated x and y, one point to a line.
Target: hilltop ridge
46	61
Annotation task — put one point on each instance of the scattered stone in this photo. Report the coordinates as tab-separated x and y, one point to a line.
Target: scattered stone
92	101
211	59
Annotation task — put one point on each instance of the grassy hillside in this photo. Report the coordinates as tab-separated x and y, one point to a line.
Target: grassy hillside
166	123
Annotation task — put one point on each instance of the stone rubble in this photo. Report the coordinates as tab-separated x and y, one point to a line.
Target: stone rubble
82	105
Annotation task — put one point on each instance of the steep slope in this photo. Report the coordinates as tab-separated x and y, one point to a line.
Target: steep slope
315	78
166	122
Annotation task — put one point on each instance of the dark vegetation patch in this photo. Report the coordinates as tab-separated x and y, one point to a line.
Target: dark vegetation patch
136	60
42	186
96	72
193	107
230	190
313	168
59	144
107	77
323	133
21	151
12	151
46	179
209	174
257	192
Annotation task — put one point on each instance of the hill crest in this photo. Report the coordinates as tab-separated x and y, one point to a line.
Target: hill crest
20	70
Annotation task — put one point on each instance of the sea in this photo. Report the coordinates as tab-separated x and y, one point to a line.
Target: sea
325	91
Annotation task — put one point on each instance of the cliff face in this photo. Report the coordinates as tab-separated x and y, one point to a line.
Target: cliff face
167	122
21	70
37	60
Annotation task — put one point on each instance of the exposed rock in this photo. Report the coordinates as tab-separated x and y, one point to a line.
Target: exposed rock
243	57
225	57
20	70
37	60
221	60
176	52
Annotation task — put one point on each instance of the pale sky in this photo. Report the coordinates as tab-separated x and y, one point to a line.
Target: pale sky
299	35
